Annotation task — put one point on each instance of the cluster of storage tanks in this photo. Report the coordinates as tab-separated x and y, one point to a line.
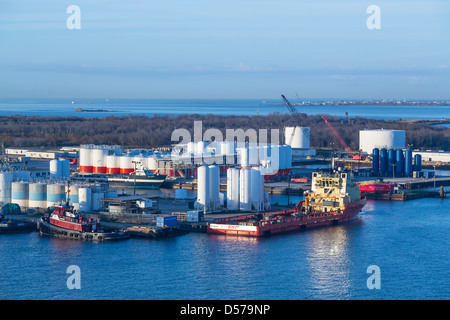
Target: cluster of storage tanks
245	189
42	195
274	157
101	159
395	162
208	188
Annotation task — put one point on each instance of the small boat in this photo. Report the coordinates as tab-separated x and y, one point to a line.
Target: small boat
64	222
11	226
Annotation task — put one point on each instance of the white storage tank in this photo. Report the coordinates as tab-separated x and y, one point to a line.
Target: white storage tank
276	157
126	165
99	160
6	179
200	147
65	168
233	189
190	148
85	199
244	157
152	163
287	157
256	189
381	139
245	201
37	195
85	156
56	194
112	164
253	156
19	193
214	184
203	189
55	168
297	137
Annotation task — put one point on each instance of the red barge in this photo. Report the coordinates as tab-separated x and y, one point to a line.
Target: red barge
333	199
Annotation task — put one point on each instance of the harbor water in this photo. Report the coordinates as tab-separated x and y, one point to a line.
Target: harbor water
408	241
225	107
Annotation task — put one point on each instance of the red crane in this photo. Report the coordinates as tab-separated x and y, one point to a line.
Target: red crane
354	155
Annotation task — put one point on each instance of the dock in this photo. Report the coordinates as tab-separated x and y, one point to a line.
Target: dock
404	196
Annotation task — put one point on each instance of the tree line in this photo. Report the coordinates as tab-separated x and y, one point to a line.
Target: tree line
137	131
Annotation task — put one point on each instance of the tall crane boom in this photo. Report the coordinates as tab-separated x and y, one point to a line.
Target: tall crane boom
289	105
336	134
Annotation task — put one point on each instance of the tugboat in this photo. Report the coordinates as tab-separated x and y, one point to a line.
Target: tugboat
65	223
11	226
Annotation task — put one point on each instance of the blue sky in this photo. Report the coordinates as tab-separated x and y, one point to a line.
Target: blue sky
225	49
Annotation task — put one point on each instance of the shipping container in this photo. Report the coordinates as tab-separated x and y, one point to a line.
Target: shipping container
194	216
166	221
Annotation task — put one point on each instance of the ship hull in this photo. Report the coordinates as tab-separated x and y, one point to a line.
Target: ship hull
16	227
290	224
48	229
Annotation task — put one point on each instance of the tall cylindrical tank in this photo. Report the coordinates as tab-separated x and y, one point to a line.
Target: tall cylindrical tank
203	188
418	162
126	165
391	161
383	161
37	195
256	189
399	162
233	189
200	147
65	168
214	187
408	162
6	179
297	137
287	157
244	160
245	200
191	147
253	156
19	193
85	159
96	202
152	163
56	194
112	164
85	199
375	161
55	168
99	160
73	196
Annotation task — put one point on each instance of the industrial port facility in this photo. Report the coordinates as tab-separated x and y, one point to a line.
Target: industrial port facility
224	179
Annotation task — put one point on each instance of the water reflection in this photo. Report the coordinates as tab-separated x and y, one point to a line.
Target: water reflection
329	264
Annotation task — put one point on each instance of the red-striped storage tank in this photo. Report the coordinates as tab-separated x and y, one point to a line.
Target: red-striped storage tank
99	160
86	159
126	165
112	164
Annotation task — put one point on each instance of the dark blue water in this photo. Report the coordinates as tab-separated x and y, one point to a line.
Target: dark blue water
408	241
150	107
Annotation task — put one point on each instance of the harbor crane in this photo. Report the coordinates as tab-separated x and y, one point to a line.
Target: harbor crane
293	111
